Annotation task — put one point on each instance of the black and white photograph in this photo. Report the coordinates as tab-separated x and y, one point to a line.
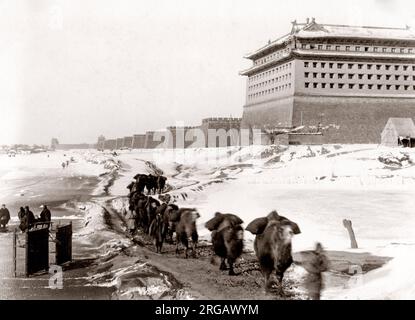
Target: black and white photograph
194	150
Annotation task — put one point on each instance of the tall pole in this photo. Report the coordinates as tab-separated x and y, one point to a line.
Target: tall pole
14	253
27	253
348	225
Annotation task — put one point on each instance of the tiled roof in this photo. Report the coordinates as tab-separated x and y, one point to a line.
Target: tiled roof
315	30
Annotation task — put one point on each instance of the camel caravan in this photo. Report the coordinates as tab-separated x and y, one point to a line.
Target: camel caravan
164	221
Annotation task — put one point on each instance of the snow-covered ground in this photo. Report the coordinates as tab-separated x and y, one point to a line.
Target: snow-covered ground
316	186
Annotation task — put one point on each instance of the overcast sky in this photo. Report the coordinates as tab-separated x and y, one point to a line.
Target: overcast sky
76	69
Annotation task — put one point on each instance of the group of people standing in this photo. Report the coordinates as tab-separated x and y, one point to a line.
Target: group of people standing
27	218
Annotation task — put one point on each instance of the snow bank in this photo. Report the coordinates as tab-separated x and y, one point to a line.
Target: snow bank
394	281
95	236
137	281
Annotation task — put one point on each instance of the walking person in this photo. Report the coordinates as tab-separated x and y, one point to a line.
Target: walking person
316	264
131	219
4	216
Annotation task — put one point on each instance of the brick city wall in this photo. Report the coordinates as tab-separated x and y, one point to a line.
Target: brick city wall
152	139
350	119
127	142
181	137
269	114
110	144
226	124
119	143
138	141
307	139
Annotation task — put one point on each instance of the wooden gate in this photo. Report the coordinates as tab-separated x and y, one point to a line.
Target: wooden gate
37	249
63	244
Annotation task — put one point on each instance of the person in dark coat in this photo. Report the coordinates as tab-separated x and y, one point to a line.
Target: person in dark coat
30	218
45	215
22	218
4	216
21	213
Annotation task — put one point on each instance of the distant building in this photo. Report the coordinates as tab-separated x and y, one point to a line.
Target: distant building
338	83
71	146
101	142
399	131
